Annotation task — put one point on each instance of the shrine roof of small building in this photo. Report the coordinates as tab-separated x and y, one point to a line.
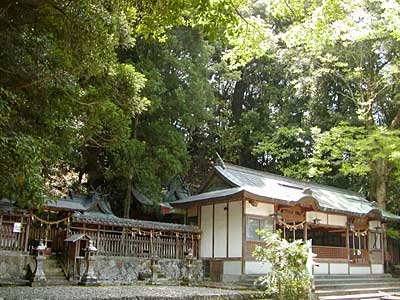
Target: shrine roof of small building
112	220
78	202
284	190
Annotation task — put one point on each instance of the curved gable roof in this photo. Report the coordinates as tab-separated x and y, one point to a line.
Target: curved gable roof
289	191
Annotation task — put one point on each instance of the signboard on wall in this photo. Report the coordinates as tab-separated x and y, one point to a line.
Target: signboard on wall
17	227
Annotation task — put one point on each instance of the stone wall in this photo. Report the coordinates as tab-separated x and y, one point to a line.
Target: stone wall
126	270
13	265
108	269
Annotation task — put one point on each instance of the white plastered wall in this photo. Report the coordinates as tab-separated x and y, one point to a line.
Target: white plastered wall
262	209
312	215
235	229
377	269
256	267
323	268
337	220
232	267
374	224
206	231
360	270
220	227
338	268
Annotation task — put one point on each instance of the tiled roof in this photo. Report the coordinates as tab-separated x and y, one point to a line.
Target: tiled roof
77	202
8	207
112	220
141	198
288	191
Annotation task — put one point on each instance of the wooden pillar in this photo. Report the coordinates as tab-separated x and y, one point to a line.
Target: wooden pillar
305	234
385	249
177	246
122	243
227	229
348	243
27	228
244	241
151	243
213	230
192	243
69	225
382	246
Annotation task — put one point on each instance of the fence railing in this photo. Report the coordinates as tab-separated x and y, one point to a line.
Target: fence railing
330	252
144	245
11	240
52	237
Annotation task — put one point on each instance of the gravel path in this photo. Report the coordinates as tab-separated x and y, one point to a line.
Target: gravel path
124	292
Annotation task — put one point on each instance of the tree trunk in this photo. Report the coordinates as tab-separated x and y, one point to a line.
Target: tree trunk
379	178
237	101
127	201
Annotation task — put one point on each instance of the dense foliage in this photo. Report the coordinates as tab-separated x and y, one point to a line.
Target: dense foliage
123	94
289	278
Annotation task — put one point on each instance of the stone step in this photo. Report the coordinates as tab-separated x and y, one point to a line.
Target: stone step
355	291
360	285
51	262
53	270
14	282
354	280
370	296
55	282
56	277
346	276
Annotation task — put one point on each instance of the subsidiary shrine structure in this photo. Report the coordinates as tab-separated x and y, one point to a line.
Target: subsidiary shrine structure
125	247
347	231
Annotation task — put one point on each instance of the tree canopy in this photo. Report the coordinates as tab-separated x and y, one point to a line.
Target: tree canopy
123	94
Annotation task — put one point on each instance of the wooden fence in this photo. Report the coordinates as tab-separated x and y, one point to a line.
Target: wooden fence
168	245
330	252
52	237
11	239
113	243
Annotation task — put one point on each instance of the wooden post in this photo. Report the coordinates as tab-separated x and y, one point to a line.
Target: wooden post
382	247
46	233
98	239
151	243
1	230
294	231
348	243
122	243
305	234
68	225
27	228
385	249
177	246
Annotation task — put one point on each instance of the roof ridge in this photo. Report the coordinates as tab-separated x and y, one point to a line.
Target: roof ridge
294	181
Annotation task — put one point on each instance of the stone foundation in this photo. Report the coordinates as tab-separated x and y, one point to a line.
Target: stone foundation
14	265
126	270
108	269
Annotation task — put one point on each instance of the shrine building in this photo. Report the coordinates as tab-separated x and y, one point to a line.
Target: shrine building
347	230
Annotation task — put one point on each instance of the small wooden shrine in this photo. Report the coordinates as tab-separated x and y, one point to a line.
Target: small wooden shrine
65	225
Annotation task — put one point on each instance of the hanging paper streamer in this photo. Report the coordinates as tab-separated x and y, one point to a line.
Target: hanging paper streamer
50	222
292	227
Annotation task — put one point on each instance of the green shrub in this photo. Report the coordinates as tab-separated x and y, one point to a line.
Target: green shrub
289	278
